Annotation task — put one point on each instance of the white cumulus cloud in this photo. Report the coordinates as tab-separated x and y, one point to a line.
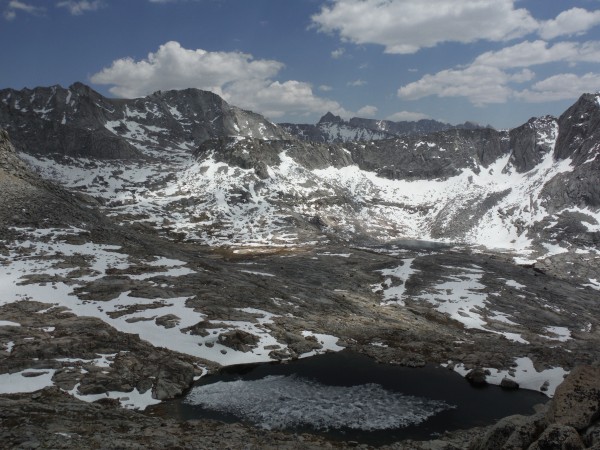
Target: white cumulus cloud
367	111
338	53
480	84
526	54
174	67
77	8
406	26
410	116
276	99
561	87
15	6
492	77
570	22
356	83
237	77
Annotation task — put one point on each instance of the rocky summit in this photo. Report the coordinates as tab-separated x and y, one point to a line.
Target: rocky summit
331	129
148	243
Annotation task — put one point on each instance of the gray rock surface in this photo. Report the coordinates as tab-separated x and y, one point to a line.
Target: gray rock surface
477	377
239	340
559	437
579	134
569	422
527	148
511	433
437	155
577	399
77	121
333	129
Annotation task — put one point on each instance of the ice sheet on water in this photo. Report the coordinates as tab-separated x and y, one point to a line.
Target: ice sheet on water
278	402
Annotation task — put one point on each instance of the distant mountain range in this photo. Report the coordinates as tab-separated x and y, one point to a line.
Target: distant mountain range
194	167
331	128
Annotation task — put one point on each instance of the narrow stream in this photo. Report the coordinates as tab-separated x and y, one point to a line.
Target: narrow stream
348	396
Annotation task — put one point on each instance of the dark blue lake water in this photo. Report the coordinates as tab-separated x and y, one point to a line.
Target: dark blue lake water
348	396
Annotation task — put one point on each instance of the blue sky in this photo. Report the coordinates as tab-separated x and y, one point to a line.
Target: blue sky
495	62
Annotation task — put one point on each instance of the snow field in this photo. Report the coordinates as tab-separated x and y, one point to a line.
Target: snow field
19	264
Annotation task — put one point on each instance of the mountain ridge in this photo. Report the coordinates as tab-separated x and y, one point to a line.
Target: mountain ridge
333	129
518	189
78	121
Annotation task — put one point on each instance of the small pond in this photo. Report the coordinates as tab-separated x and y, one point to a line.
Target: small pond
349	396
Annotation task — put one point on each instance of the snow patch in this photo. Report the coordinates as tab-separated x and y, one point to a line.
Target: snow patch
393	293
29	380
561	334
524	373
129	400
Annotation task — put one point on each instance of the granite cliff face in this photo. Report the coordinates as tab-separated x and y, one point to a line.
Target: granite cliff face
80	122
434	156
578	141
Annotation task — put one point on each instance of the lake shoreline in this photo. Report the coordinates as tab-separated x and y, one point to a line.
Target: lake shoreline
469	406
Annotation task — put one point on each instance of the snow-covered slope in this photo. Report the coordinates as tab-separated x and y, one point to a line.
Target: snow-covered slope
530	190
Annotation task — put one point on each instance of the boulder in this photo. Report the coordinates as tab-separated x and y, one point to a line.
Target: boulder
477	377
239	340
577	400
168	320
508	383
591	438
174	377
512	432
558	437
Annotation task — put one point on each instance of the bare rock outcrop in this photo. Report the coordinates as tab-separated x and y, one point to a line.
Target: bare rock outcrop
570	421
577	400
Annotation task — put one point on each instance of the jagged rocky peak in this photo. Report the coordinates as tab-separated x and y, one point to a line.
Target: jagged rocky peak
82	89
79	121
330	118
469	125
579	129
212	111
332	128
578	144
532	141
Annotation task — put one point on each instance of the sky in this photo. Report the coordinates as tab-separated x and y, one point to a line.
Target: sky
496	62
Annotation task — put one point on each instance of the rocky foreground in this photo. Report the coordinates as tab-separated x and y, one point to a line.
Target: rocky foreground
53	419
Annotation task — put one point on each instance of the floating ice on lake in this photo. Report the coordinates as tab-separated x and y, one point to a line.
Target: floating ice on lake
279	402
